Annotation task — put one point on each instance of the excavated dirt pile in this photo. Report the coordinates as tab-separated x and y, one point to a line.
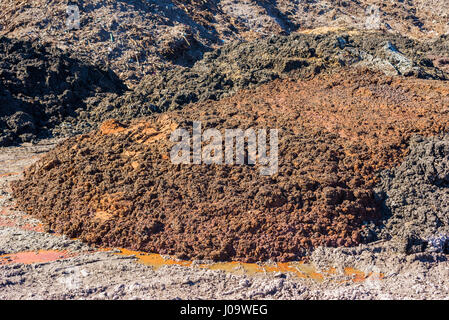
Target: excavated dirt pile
117	186
242	65
41	86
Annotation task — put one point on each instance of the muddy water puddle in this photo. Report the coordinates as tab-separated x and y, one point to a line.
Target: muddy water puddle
34	257
299	269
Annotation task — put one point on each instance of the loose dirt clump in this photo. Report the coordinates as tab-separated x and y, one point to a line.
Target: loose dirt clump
416	195
118	187
41	86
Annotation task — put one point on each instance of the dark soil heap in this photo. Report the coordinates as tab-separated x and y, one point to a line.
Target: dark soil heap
42	86
117	186
416	195
47	91
139	37
242	65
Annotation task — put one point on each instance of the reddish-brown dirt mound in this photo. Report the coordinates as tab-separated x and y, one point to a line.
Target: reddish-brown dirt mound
118	187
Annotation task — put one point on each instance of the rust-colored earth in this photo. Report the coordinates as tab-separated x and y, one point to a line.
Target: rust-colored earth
117	186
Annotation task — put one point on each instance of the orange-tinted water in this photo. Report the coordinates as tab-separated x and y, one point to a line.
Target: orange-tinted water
297	269
34	257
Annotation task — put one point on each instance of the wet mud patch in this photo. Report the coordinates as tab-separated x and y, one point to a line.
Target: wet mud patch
300	270
41	256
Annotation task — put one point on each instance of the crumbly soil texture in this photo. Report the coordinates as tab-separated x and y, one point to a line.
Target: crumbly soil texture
47	91
242	65
41	86
137	38
416	197
117	186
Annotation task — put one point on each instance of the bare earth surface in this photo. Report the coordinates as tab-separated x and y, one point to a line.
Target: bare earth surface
171	53
38	265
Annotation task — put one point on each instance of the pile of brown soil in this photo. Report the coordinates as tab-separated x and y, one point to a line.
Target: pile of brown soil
117	186
42	86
